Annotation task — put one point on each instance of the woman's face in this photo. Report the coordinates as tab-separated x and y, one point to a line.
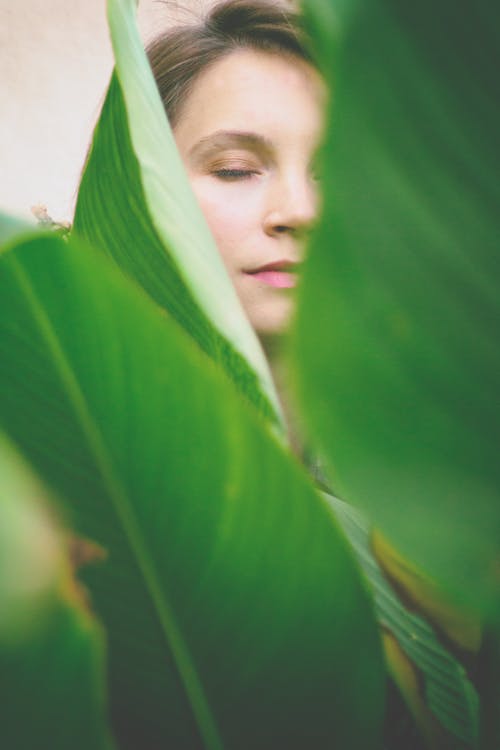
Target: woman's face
247	133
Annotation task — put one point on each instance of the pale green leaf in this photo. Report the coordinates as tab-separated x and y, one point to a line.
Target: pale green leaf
11	226
51	648
136	203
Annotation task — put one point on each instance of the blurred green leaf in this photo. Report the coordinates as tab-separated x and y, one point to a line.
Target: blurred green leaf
135	202
11	226
397	336
233	608
51	649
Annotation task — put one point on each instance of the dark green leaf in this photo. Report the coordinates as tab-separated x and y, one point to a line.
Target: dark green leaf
397	337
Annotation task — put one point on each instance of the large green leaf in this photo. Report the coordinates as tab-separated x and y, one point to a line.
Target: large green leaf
234	612
51	651
397	338
135	202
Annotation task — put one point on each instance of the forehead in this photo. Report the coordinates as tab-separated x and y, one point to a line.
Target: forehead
275	95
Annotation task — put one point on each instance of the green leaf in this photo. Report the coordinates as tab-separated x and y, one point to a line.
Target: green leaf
490	693
11	226
51	649
447	691
135	202
397	336
233	608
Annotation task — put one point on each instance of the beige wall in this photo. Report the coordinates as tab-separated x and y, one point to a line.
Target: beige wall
55	61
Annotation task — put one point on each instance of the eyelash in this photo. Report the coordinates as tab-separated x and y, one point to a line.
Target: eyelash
245	174
234	174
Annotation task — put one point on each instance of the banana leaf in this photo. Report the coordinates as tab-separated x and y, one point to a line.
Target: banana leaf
234	612
11	226
135	203
448	699
396	347
51	647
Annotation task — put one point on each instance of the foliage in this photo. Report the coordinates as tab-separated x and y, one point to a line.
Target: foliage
408	281
235	612
242	634
51	648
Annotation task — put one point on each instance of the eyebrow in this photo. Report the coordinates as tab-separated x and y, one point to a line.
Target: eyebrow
226	139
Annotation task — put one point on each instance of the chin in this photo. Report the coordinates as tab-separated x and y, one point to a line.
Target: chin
272	326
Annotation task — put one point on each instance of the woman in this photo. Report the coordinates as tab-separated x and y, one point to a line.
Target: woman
246	107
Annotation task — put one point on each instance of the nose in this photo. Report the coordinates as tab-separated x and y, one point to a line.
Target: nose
293	205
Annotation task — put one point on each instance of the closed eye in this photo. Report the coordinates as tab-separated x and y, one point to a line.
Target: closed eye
234	174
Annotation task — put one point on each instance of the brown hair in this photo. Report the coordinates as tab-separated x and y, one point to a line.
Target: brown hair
178	56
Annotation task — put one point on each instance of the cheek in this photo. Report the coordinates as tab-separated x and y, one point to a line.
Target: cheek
230	218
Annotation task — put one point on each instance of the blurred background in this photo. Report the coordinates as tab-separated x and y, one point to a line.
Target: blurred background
55	63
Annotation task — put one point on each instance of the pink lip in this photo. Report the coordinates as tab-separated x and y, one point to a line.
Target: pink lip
280	274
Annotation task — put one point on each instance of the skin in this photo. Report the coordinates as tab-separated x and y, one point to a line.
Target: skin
248	132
